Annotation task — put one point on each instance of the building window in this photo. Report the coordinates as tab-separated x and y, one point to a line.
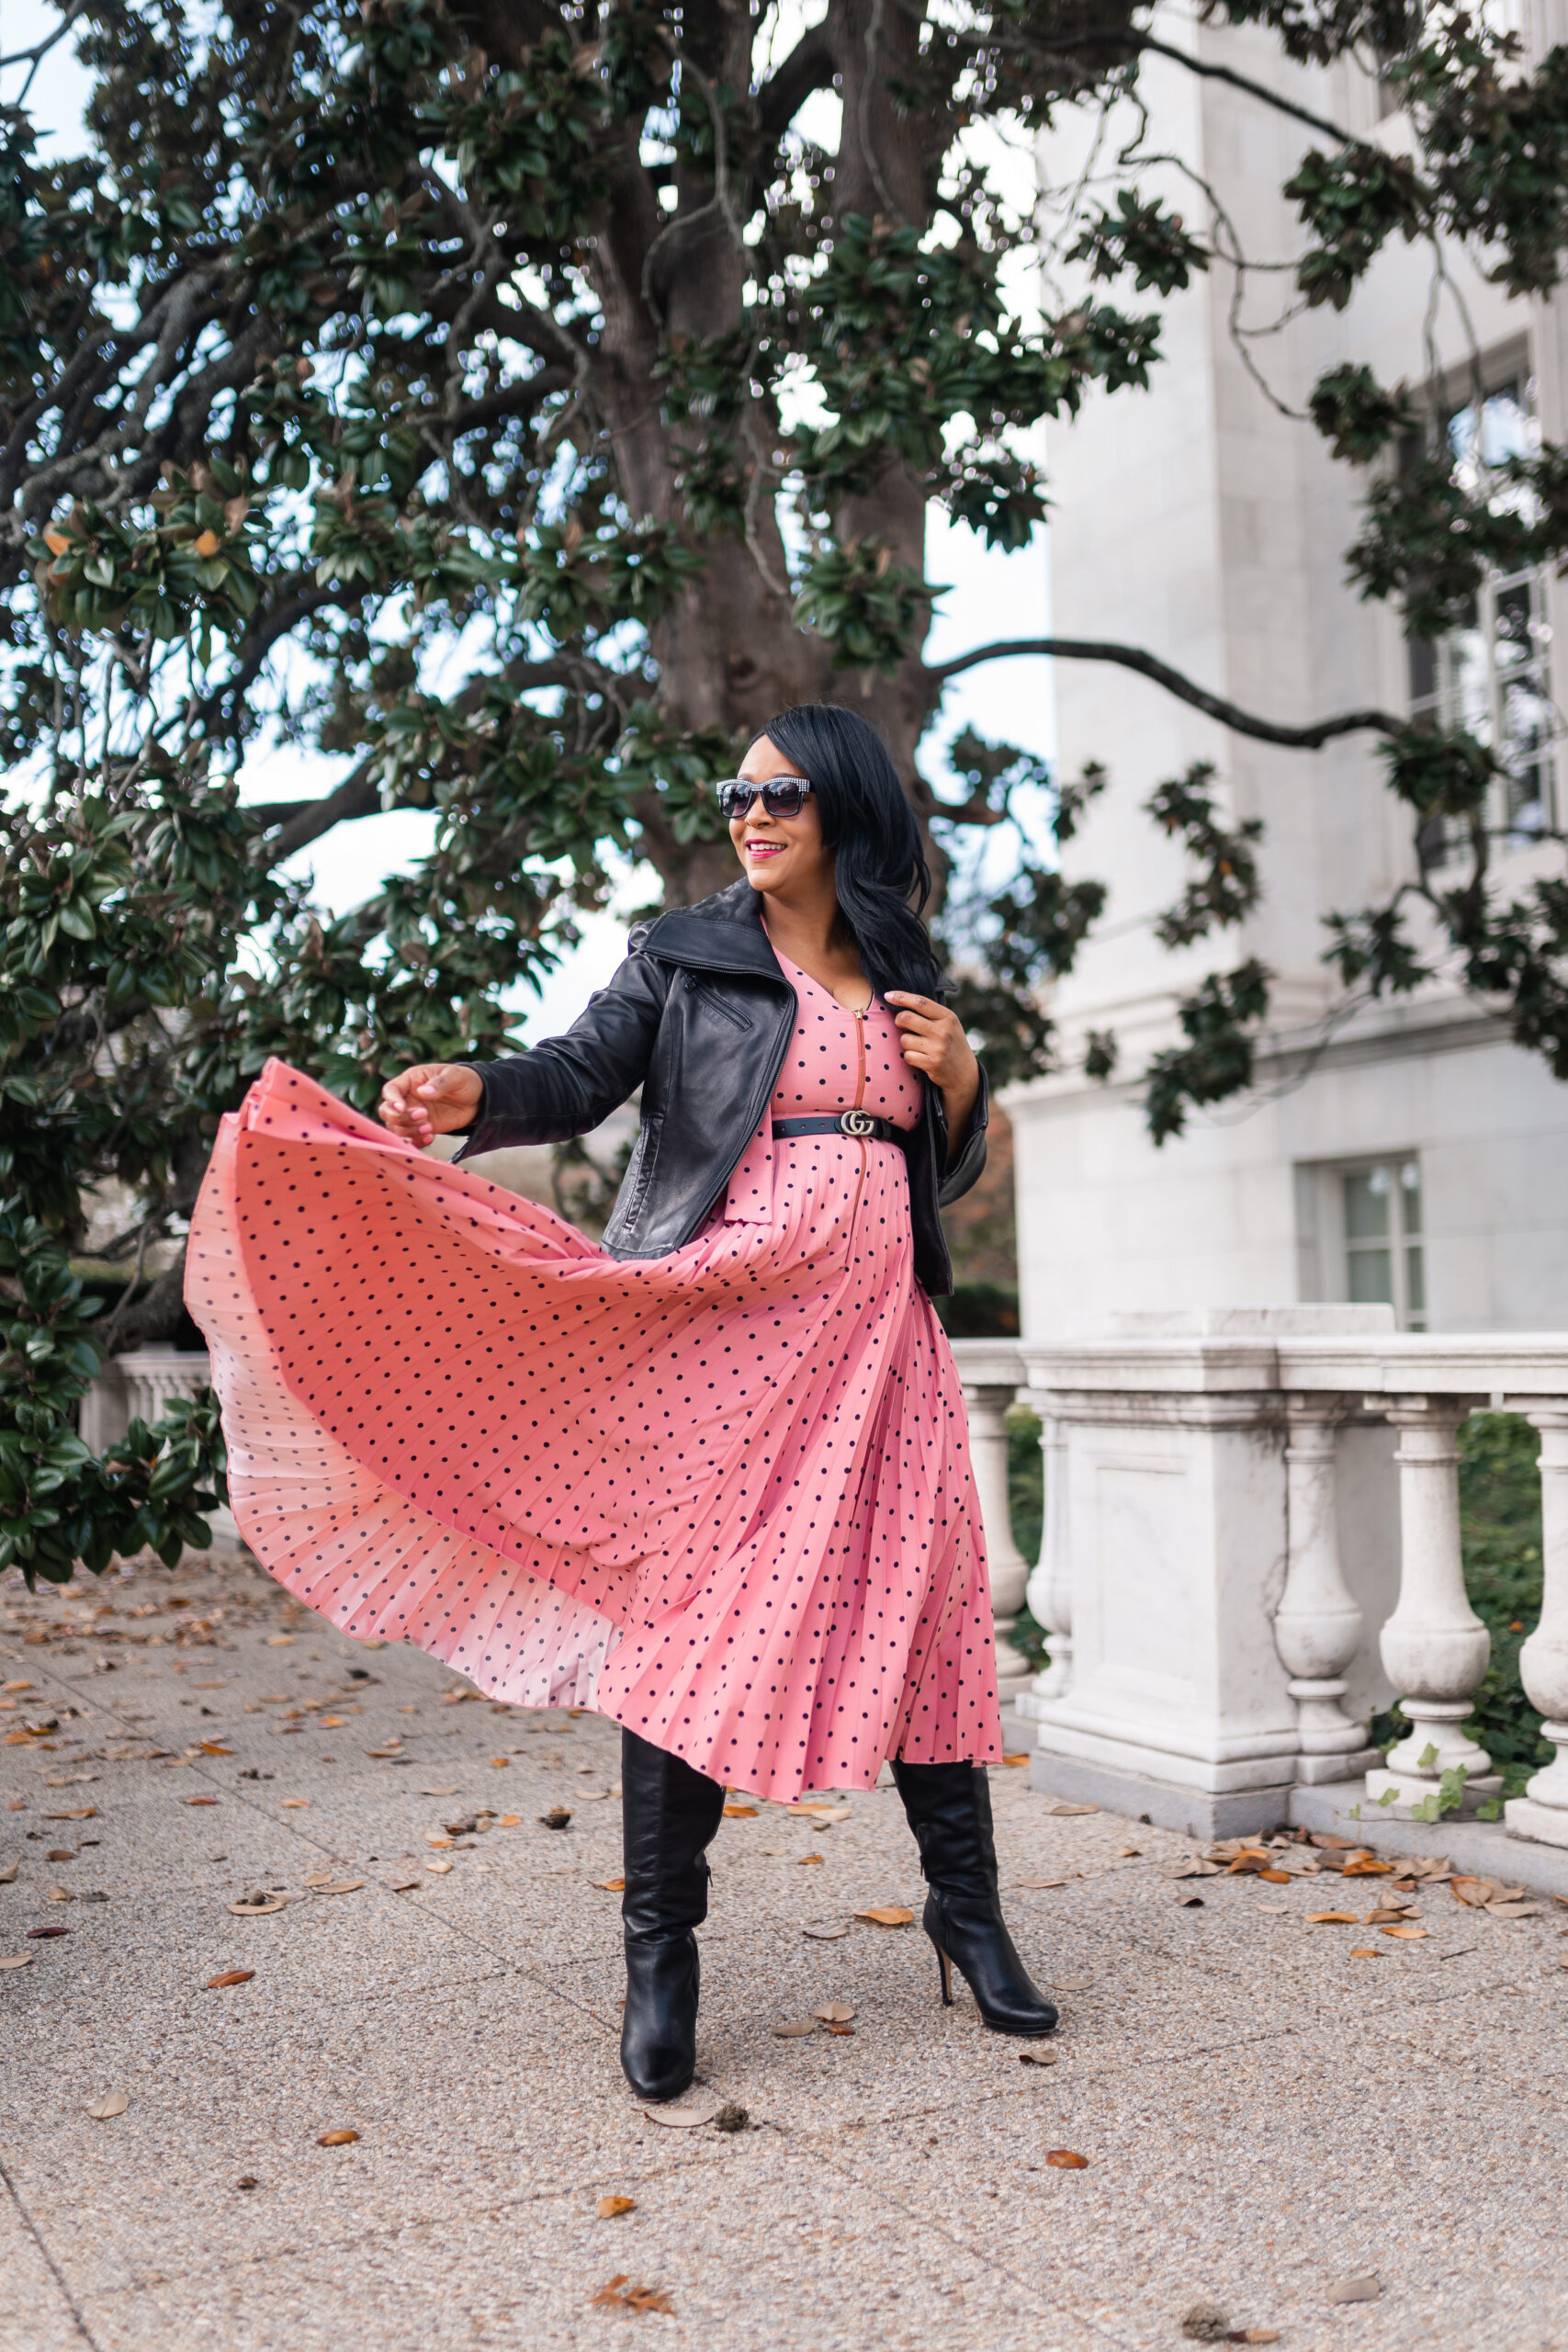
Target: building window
1380	1207
1492	675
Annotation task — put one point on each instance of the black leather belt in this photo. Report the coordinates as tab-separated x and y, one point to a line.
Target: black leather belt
861	1124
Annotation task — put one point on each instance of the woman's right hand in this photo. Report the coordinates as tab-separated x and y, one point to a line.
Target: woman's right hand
430	1100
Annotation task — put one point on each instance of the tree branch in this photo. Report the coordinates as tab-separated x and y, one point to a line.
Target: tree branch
1131	657
810	66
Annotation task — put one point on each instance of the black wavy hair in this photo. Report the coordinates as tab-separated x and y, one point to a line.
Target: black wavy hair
880	871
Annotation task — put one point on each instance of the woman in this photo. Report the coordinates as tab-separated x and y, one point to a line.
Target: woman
711	1477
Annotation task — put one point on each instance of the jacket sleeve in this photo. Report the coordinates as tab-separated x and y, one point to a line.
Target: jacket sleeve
965	1170
569	1085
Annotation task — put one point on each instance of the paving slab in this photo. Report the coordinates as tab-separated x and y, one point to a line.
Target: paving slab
1265	2110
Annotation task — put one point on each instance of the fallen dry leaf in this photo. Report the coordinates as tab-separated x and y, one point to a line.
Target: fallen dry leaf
1256	2335
257	1905
229	1976
279	1641
331	1722
439	1867
61	1894
113	2103
335	1885
834	2012
194	1800
556	1817
1332	1919
1276	1878
39	1935
1353	2291
1366	1866
1043	2056
1366	1951
334	2138
741	1813
609	2206
402	1885
500	1763
395	1750
1066	2161
9	1872
215	1747
796	2027
805	1862
1198	1870
1071	1983
509	1821
611	1885
1251	1860
682	2119
1016	1760
1035	1884
1062	1807
296	1804
1515	1910
821	1934
80	1812
16	1960
886	1915
632	2299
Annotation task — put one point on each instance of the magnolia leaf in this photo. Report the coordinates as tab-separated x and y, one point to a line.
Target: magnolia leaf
609	2206
112	2103
1042	2056
229	1976
834	2012
886	1915
257	1905
17	1959
335	2139
1066	2161
789	2031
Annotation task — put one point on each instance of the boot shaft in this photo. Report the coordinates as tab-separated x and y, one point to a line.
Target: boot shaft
948	1806
668	1815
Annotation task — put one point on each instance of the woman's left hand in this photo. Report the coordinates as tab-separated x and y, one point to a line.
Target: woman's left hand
932	1042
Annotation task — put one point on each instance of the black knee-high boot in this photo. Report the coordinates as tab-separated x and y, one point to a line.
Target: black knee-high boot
949	1809
668	1813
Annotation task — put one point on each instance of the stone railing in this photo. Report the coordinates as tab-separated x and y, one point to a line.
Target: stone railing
1251	1545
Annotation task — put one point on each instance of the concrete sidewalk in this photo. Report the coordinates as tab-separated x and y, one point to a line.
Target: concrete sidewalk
1264	2115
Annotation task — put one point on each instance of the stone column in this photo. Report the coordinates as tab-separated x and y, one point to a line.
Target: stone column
988	1404
1318	1627
1435	1647
1543	1811
1050	1588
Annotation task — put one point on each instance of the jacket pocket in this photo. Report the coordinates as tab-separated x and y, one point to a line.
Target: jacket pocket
712	1002
638	1177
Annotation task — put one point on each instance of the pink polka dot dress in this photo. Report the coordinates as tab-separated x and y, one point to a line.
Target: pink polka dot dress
723	1496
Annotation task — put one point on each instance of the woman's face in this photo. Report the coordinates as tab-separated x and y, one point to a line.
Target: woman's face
781	854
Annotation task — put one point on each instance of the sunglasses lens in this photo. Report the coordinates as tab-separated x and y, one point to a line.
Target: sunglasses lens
786	797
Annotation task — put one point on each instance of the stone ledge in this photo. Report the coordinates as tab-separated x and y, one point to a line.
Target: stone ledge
1197	1813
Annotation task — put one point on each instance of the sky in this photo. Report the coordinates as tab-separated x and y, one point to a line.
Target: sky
987	596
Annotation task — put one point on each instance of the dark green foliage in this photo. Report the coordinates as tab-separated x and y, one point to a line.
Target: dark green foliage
1219	1021
1353	412
978	1310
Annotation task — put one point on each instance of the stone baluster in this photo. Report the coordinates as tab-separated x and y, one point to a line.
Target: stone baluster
1318	1627
1543	1811
989	1402
1050	1591
1435	1647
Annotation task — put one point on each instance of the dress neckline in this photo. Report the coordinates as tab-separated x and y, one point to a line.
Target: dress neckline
848	1010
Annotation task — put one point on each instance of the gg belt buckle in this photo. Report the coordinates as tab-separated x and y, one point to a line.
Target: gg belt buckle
856	1122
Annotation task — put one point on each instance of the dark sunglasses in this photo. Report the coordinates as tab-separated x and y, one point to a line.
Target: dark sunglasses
783	797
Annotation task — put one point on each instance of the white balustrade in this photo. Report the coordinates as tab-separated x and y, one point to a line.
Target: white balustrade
1435	1646
1542	1811
1318	1624
990	1384
1050	1588
1237	1571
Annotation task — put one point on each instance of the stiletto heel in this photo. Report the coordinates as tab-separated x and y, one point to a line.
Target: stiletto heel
949	1807
944	1970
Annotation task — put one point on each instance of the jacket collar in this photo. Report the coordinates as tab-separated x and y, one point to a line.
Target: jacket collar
723	934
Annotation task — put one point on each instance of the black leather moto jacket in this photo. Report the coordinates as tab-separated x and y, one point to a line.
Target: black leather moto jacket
700	1016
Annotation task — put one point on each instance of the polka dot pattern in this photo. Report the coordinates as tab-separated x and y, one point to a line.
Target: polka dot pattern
725	1496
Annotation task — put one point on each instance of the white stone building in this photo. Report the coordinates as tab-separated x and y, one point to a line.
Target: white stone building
1409	1152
